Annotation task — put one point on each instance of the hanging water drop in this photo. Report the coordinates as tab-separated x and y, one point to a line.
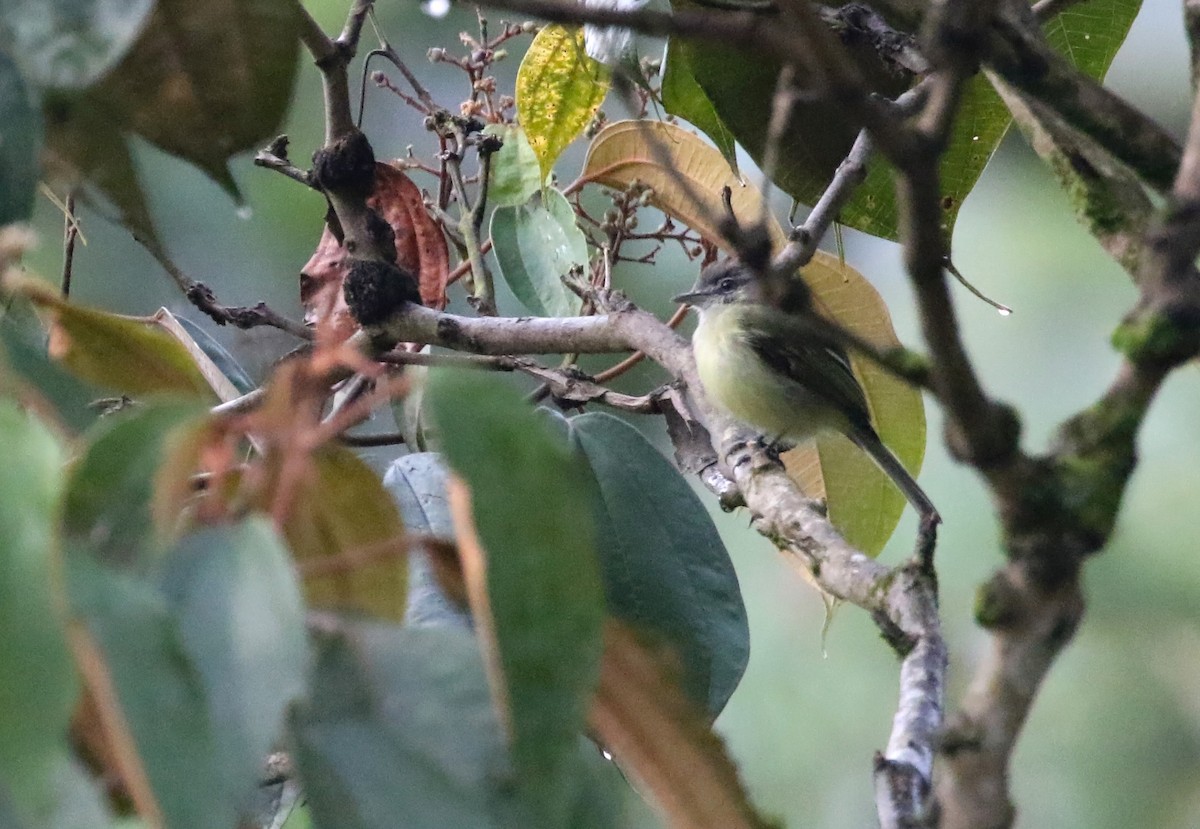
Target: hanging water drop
244	212
1004	312
437	9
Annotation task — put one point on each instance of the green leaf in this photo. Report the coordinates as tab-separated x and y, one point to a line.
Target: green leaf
237	606
20	143
417	482
199	93
161	695
72	799
299	818
38	686
131	355
515	172
532	511
185	87
665	569
111	490
816	138
536	245
862	501
979	127
741	87
26	363
559	90
399	731
1089	35
69	44
682	96
338	511
86	150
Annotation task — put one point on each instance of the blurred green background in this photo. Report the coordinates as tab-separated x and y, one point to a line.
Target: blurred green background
1114	740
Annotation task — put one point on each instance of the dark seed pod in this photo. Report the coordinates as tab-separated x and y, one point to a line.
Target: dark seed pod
375	290
348	166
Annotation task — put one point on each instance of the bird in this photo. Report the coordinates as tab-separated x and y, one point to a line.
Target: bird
756	363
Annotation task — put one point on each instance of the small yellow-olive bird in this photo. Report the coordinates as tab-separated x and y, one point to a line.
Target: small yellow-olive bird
755	362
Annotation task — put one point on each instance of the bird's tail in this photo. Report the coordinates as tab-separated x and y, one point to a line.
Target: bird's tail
866	439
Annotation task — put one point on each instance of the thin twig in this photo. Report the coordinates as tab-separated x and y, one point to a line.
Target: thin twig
371	441
473	361
201	296
70	232
387	51
275	157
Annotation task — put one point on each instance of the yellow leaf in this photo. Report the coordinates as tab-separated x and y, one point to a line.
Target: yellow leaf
687	176
345	533
130	355
559	90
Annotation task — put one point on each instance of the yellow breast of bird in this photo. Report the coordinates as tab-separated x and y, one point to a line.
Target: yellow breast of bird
737	380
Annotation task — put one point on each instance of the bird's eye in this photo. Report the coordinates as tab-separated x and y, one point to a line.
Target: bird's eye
725	284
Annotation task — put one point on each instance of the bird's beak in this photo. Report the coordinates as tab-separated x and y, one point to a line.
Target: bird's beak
690	297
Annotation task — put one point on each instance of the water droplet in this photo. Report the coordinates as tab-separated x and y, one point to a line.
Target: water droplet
975	138
436	9
1087	37
607	755
1004	312
244	212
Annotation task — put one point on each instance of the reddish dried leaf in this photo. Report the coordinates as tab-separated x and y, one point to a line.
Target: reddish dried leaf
420	249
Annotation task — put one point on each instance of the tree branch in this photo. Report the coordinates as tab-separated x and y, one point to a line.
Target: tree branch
1019	53
1061	508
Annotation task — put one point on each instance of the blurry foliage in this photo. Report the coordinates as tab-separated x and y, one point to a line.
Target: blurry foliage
200	590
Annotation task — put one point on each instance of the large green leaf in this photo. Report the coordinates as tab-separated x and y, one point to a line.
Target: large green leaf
1090	33
160	693
20	143
739	90
559	89
109	503
665	568
207	80
532	513
981	123
862	501
69	44
399	731
37	679
237	606
536	244
86	150
203	81
683	96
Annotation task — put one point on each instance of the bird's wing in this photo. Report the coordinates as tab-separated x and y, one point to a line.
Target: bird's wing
822	370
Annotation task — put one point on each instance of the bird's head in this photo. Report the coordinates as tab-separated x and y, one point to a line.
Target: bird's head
723	283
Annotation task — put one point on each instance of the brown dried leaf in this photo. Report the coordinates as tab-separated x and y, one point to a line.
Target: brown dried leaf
658	735
420	249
